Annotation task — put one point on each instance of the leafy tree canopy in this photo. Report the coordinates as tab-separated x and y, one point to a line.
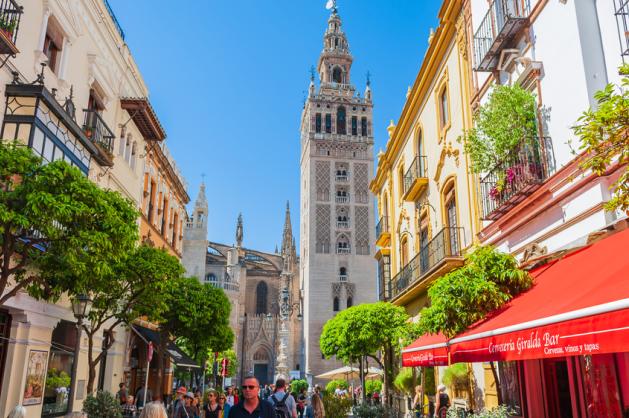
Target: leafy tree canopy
363	330
504	122
298	385
604	136
464	296
57	228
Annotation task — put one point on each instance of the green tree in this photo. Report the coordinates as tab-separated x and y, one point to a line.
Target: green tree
331	386
466	295
57	228
132	290
604	137
297	385
500	126
405	380
365	330
197	315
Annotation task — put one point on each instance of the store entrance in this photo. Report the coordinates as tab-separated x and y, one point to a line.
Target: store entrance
557	385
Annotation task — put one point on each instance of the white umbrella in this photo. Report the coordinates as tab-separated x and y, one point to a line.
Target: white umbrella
348	373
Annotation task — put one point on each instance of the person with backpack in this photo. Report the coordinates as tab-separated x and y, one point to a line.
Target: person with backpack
443	402
251	406
284	404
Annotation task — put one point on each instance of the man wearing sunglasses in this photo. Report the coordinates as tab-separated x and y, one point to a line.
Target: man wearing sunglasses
251	406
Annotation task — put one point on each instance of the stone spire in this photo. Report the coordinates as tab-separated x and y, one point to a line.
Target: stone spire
201	201
239	231
287	234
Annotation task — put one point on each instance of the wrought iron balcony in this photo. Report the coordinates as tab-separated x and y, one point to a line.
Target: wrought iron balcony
114	19
517	177
10	14
440	255
621	10
415	179
342	199
98	132
342	177
383	234
503	21
342	224
342	250
342	277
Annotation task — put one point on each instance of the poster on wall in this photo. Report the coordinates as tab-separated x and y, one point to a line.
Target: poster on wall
35	377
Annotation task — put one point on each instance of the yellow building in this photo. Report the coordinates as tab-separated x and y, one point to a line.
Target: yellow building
427	206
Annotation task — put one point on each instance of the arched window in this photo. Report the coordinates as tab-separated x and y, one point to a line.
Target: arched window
350	301
343	271
335	304
404	251
262	291
449	203
133	154
342	245
211	278
337	75
340	120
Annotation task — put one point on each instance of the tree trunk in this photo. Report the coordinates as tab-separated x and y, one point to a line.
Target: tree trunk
363	392
494	371
91	363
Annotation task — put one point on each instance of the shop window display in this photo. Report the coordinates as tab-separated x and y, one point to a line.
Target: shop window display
510	386
58	382
603	375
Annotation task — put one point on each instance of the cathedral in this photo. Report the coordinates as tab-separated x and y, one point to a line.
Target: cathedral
338	269
263	289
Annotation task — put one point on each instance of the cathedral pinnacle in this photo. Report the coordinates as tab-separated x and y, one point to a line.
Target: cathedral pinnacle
239	231
287	235
201	199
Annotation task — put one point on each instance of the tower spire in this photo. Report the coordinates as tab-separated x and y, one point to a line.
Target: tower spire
287	234
239	231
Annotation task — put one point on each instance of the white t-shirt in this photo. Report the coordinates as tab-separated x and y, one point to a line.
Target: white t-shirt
230	400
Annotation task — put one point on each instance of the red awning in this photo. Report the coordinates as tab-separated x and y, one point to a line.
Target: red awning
426	351
578	305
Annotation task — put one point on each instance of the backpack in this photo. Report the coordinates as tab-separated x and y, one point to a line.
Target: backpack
280	407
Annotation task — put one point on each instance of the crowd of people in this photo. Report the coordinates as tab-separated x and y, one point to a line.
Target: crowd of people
424	407
254	401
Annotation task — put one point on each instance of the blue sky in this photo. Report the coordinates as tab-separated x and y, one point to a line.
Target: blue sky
228	81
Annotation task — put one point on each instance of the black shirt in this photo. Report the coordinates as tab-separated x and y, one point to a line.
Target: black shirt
264	410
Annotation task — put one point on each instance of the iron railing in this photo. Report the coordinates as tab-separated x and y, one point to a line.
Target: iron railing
621	10
502	21
342	224
10	14
97	130
447	243
342	177
516	177
382	227
115	20
342	277
416	171
342	250
342	199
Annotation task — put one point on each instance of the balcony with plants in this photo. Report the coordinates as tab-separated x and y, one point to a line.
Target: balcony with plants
502	22
97	131
10	14
439	256
415	179
505	148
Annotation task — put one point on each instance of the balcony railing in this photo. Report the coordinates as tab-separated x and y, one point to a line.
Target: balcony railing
342	250
517	177
382	230
115	20
342	224
10	14
621	10
97	130
446	244
342	177
504	19
415	179
342	199
342	277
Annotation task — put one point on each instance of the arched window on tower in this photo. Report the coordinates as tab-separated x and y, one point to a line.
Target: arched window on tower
350	302
262	291
342	245
342	274
340	121
337	75
335	304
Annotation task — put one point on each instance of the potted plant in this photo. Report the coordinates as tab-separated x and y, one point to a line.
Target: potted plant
7	25
102	405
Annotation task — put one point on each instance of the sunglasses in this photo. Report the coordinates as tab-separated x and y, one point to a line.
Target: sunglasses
250	387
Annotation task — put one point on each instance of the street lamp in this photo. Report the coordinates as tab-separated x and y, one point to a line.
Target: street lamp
80	308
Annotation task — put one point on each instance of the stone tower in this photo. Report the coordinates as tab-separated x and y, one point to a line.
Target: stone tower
337	212
195	238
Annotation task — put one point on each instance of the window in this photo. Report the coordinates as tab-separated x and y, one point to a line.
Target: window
53	43
164	214
342	245
134	152
211	278
328	123
363	126
342	274
354	125
151	196
444	111
449	203
173	241
262	291
404	252
335	304
337	73
318	123
340	121
350	301
423	242
60	362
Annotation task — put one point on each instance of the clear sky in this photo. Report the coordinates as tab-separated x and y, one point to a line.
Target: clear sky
228	80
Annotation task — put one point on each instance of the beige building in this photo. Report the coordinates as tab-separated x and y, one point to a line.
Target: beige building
426	194
76	108
337	214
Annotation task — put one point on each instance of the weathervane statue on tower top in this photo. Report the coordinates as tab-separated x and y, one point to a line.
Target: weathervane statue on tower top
331	5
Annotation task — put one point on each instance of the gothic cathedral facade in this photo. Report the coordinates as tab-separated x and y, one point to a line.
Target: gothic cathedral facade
258	285
337	213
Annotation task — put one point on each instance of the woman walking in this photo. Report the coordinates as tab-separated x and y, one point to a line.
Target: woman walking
317	406
443	402
211	407
223	405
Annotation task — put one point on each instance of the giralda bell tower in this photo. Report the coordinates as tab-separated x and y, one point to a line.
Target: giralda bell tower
337	212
